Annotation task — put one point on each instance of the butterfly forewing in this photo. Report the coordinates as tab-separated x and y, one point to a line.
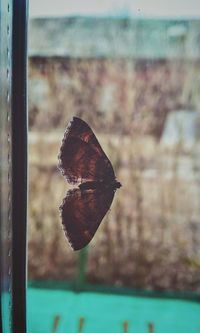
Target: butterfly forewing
81	157
82	213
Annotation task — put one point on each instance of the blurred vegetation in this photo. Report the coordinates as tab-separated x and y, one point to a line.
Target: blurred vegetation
150	238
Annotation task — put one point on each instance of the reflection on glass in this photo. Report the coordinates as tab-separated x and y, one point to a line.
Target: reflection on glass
5	167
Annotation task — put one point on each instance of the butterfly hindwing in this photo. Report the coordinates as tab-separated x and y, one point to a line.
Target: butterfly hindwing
82	213
81	157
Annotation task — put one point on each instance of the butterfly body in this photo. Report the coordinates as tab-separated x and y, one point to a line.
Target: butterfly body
83	162
101	185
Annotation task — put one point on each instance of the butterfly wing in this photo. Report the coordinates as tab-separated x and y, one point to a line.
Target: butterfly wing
81	157
82	213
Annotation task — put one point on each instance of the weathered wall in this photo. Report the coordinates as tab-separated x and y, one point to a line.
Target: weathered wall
120	95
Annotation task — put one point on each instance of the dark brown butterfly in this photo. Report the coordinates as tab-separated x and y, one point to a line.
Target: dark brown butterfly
82	161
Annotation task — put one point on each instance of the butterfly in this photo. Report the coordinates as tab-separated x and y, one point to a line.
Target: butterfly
83	162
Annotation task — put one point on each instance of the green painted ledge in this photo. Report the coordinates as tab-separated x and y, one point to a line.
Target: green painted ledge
76	287
62	310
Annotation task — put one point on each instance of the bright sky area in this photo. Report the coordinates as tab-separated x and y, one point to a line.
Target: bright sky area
140	8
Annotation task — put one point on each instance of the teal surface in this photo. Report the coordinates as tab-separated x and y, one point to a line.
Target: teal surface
60	311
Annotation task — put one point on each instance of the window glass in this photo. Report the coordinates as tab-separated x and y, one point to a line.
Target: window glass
5	164
131	71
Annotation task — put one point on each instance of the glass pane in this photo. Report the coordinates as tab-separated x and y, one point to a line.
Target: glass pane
5	163
131	71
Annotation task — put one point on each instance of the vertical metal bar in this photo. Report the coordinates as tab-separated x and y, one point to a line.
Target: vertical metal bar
125	326
151	327
19	166
81	324
55	323
82	266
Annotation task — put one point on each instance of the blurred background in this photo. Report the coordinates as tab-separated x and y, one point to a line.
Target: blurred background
132	71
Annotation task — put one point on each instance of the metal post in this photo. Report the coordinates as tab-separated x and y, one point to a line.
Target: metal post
19	164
